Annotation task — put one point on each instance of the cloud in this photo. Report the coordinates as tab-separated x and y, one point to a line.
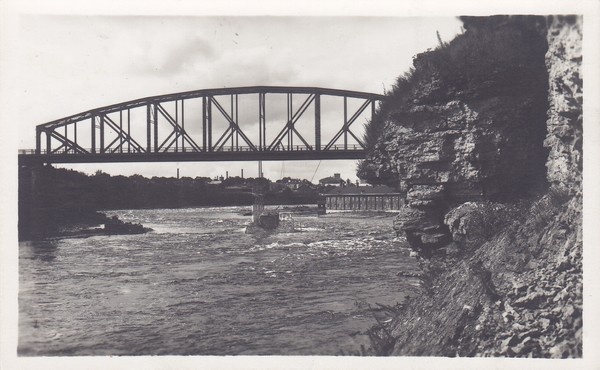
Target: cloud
186	54
171	55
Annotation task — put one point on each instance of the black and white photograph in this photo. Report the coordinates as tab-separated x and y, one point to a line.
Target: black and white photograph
299	187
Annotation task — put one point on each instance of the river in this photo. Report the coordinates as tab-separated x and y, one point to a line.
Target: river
198	285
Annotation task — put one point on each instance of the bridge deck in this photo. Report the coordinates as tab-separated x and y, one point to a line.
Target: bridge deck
27	157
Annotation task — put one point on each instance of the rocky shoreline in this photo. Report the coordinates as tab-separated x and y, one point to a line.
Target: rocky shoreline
492	179
518	294
111	226
89	223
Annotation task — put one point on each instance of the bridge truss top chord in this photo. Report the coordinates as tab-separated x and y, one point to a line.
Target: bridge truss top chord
205	125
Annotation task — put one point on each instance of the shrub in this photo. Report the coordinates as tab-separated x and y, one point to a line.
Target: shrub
494	56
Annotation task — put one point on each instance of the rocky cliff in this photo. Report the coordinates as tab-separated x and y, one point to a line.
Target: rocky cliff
468	124
565	116
484	138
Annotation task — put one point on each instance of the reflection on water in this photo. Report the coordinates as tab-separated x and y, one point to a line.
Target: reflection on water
40	250
199	285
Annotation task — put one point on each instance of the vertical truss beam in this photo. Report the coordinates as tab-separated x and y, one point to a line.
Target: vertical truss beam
38	140
261	122
48	142
290	137
120	131
318	122
345	127
155	117
204	122
102	134
176	127
148	129
183	126
128	130
209	146
93	130
372	109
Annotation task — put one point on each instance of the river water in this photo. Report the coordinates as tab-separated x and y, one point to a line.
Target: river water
198	285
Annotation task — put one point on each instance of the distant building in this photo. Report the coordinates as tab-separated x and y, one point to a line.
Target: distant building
293	184
307	188
217	181
335	180
363	198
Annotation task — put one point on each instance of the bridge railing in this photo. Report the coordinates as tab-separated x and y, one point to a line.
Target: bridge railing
294	148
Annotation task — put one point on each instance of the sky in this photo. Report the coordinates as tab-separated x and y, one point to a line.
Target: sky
75	63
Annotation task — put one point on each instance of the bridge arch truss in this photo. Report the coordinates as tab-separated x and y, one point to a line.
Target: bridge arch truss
158	128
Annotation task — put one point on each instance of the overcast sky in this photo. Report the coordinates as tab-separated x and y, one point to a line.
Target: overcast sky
76	63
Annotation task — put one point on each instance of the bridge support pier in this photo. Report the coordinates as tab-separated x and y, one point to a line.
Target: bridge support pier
29	214
258	207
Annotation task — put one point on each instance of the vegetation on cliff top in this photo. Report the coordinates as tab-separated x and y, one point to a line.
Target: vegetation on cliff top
494	56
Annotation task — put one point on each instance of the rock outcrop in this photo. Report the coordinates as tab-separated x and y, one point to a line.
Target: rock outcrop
565	115
519	294
442	146
510	282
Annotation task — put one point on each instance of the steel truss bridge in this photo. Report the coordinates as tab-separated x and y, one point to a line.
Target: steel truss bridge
205	125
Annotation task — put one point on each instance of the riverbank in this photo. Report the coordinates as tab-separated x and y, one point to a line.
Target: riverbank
484	136
518	293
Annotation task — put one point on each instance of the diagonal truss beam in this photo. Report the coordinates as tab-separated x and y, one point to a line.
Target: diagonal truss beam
178	131
346	127
289	126
121	134
66	143
232	129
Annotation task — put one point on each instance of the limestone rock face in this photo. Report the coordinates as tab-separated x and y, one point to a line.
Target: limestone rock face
472	223
564	138
461	152
421	227
518	291
480	146
443	146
